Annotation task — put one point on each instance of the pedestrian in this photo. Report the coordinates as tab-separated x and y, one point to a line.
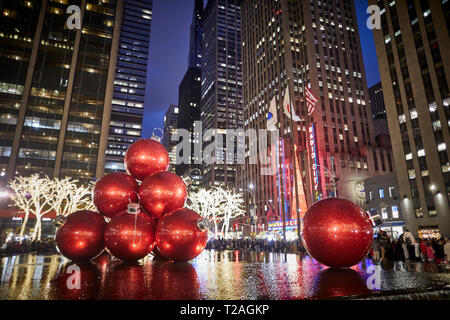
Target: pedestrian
447	249
376	249
410	244
385	244
399	254
439	254
430	252
423	249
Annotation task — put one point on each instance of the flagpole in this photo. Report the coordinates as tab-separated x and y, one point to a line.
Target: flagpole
294	139
308	163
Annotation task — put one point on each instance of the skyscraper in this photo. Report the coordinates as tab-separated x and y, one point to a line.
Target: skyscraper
221	101
195	41
297	45
189	99
412	49
58	82
129	82
376	101
55	86
190	92
170	127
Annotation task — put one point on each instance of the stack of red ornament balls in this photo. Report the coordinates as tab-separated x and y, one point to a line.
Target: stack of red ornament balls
145	213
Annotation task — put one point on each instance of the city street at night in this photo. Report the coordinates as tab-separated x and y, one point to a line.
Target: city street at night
227	275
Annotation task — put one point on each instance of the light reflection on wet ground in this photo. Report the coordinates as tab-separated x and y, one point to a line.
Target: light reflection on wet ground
213	275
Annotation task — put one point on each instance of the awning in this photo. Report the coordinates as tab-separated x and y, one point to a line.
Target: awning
393	224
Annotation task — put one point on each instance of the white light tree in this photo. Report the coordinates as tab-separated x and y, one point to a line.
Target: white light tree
21	198
31	195
218	205
39	196
70	196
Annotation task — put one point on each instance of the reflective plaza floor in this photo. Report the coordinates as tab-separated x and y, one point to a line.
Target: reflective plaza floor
212	275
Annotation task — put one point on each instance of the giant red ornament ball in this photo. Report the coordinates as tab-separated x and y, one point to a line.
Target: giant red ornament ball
130	236
114	192
146	157
181	235
81	236
161	193
337	233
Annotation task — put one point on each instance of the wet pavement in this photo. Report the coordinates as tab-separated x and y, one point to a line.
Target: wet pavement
213	275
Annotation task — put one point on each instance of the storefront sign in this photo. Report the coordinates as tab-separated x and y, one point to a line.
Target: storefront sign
313	155
278	225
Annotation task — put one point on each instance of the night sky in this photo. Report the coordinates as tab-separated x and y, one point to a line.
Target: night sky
169	47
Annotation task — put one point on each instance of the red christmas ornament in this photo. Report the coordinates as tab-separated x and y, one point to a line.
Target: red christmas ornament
337	233
114	192
161	193
81	236
181	235
146	157
130	235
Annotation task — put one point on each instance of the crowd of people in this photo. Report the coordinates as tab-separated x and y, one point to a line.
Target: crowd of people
250	244
15	246
406	247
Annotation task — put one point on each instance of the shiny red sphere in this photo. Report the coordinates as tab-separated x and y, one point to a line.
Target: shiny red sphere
178	236
146	157
114	192
81	236
161	193
130	237
337	233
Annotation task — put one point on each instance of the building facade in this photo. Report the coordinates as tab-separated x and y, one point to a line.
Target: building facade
57	84
383	197
196	36
376	101
412	49
170	128
189	99
221	93
315	44
129	82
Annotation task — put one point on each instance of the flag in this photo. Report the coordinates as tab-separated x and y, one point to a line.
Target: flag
272	116
301	206
311	101
287	107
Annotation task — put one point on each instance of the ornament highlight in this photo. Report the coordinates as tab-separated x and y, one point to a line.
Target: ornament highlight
180	235
114	192
81	236
146	157
162	193
130	235
337	233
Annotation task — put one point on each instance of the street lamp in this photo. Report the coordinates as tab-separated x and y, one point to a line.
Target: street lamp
251	186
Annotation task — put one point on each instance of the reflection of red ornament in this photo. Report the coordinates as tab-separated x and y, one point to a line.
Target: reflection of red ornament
130	236
81	236
180	235
146	157
161	193
114	192
340	282
337	233
77	282
173	281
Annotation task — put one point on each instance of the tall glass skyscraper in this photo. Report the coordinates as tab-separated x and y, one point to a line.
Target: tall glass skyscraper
129	83
57	83
221	101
